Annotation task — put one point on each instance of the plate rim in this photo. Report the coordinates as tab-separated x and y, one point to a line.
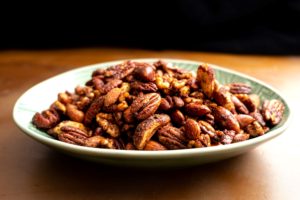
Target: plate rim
151	154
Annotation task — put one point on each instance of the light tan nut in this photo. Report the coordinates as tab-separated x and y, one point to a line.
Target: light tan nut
147	128
254	129
106	122
102	142
154	146
73	113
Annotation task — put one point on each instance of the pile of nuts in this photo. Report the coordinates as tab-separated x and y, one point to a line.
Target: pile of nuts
156	106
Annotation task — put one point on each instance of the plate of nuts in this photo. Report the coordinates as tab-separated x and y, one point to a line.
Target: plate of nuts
152	113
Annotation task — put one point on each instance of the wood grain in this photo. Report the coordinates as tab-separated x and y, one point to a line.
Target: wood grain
29	170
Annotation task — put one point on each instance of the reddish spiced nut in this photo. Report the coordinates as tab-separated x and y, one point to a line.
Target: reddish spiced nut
130	146
165	104
225	118
46	120
73	135
128	115
143	87
192	129
206	79
239	88
255	129
205	139
144	106
110	85
244	120
247	101
59	128
223	98
147	128
258	117
177	117
73	113
227	137
207	128
112	97
240	137
272	111
106	122
239	106
196	109
102	142
178	102
145	72
172	137
154	146
92	111
98	83
194	144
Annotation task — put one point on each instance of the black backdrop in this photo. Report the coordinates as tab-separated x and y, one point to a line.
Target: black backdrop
268	27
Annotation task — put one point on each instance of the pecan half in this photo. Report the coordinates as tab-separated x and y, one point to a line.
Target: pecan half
58	129
145	105
255	129
172	137
147	128
143	87
272	111
47	119
73	135
239	88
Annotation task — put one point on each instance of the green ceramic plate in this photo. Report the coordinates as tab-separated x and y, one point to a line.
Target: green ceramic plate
43	94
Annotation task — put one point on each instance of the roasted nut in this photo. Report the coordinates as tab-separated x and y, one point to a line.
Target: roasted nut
178	102
58	129
73	113
92	111
145	72
206	79
247	101
240	137
223	97
112	97
144	106
196	109
177	117
172	138
225	118
207	128
73	135
154	146
192	129
110	85
106	122
272	111
244	120
102	142
258	117
47	119
239	106
146	129
239	88
255	129
143	87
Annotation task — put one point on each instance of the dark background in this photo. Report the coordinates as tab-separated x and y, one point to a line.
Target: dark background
237	26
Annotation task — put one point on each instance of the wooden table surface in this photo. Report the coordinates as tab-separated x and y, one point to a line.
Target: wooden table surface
29	170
